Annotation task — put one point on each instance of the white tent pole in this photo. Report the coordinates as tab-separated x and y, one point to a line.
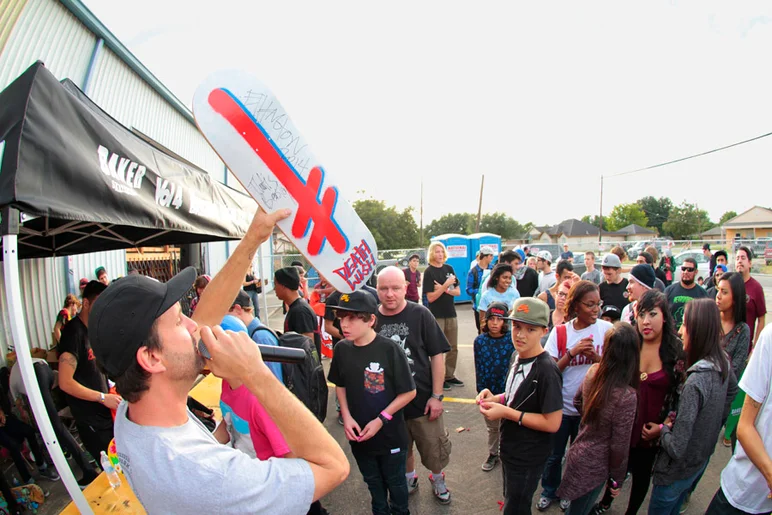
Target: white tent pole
21	346
264	295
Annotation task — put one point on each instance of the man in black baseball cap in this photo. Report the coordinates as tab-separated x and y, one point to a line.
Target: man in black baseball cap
147	345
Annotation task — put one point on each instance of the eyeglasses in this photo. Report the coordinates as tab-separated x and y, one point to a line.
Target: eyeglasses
592	305
688	269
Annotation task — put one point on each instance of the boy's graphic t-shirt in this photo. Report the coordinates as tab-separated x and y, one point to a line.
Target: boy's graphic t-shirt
373	375
251	429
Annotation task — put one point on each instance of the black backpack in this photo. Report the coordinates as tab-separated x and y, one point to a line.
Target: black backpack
306	380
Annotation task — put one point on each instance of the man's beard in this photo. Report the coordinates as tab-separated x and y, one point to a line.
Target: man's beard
687	281
184	366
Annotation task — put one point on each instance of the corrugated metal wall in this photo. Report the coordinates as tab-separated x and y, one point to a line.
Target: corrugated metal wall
43	295
46	31
32	30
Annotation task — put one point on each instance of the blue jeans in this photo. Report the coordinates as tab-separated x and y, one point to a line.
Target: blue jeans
550	478
584	504
385	478
667	500
255	302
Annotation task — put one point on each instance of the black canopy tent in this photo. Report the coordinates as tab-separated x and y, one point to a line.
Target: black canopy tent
74	180
86	183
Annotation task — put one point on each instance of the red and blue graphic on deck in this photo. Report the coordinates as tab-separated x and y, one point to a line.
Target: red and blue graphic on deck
311	207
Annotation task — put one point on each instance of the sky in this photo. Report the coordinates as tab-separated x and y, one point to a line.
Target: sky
542	99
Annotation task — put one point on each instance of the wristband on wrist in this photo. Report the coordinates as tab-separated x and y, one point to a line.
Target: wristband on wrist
101	397
386	415
520	422
569	354
661	426
502	399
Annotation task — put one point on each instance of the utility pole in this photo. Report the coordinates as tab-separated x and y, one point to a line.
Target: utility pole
479	206
600	216
421	241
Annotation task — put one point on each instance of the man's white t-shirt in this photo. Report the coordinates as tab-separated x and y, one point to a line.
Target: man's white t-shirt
574	373
744	486
183	469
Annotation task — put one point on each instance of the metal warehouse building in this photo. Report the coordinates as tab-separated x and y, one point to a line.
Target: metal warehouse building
74	44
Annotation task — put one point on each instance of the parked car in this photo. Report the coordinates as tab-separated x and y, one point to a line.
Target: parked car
703	265
768	252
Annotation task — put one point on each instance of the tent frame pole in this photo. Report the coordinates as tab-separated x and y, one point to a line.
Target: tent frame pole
21	346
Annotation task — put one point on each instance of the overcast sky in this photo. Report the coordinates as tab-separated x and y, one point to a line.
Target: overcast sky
542	99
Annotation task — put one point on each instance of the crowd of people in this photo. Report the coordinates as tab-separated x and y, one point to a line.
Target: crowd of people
620	378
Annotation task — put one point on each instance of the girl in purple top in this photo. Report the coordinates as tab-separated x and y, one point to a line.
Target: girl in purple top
662	369
607	401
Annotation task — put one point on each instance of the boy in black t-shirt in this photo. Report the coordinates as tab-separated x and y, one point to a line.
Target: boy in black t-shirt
373	383
530	410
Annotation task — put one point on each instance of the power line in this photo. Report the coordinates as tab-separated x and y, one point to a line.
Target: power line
691	157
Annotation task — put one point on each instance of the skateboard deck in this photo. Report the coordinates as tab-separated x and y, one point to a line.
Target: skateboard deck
252	133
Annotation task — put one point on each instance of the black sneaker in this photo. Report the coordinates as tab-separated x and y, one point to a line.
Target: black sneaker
490	463
340	418
454	381
446	386
49	473
87	479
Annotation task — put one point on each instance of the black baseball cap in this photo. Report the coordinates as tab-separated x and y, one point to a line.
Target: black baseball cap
357	302
123	315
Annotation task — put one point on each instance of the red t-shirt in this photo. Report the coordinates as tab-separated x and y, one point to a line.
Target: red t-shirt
756	305
412	284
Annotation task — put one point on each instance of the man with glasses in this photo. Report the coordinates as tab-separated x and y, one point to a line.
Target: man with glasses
680	293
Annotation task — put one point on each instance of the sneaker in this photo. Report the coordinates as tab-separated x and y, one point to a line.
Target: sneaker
599	508
544	503
490	463
340	418
454	381
86	479
412	485
441	491
446	386
685	505
49	473
565	504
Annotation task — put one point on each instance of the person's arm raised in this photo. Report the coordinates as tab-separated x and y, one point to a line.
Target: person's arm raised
223	288
235	356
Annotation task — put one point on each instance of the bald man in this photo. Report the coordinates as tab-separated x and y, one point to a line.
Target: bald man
415	330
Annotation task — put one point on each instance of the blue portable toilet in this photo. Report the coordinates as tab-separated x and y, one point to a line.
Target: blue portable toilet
485	239
459	257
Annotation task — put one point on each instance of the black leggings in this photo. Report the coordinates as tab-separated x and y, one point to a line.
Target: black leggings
640	464
12	436
46	381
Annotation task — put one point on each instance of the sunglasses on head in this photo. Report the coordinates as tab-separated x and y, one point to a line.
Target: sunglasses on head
688	269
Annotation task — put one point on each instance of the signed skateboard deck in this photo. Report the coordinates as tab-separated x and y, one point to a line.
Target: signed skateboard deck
255	137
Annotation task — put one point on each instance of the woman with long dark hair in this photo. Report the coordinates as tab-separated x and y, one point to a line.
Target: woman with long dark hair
730	299
607	400
687	443
574	346
499	290
662	370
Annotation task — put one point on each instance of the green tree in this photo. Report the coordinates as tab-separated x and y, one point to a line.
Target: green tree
458	223
625	214
502	224
686	221
391	229
727	216
657	210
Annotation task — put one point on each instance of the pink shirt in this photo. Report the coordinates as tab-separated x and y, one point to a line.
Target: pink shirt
246	416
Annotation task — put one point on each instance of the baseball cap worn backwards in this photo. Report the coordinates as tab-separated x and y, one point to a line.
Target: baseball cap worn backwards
530	310
122	316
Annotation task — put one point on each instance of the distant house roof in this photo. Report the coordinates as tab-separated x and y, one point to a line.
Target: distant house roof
756	216
716	231
634	229
574	228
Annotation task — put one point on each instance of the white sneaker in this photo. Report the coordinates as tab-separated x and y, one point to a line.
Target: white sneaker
441	491
412	485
